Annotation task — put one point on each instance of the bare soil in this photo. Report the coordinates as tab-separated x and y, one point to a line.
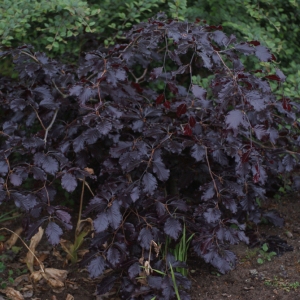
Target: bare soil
278	278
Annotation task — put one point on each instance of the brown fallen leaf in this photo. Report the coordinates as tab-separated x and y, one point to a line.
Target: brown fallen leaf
89	170
69	297
41	257
21	278
13	239
12	293
29	259
54	277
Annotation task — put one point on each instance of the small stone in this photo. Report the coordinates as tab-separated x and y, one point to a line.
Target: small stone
289	234
253	272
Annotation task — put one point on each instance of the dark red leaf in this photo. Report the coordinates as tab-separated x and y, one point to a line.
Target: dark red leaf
254	43
181	109
273	77
167	104
187	130
173	88
192	121
160	99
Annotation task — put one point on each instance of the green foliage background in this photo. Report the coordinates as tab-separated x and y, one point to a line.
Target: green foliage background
72	26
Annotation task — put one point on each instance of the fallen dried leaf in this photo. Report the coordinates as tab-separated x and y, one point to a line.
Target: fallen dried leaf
12	293
21	278
69	297
29	259
89	170
13	239
58	255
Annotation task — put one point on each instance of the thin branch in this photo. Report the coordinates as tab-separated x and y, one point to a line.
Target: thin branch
49	127
211	175
59	90
37	114
81	203
30	56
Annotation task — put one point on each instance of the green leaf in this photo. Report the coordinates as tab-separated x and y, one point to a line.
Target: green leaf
260	261
265	247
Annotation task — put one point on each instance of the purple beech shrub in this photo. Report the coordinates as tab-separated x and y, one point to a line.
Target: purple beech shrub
164	150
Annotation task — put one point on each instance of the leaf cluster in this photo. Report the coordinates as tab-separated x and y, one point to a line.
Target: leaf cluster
164	150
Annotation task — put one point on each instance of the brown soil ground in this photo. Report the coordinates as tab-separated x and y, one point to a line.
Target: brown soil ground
278	278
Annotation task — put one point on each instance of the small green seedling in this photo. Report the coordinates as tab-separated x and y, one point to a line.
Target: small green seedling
264	254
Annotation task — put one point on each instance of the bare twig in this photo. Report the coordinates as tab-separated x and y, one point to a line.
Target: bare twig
23	52
59	90
51	124
211	175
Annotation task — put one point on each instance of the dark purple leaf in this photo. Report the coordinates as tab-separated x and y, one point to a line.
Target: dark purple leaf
198	152
156	72
114	215
96	267
134	270
135	194
281	76
220	38
3	167
23	201
167	288
173	228
230	204
260	131
33	228
122	147
50	165
289	162
104	127
106	285
150	183
160	208
145	237
245	48
69	182
159	167
101	222
235	118
212	215
63	216
113	256
38	173
273	135
15	179
274	218
53	232
154	281
78	143
199	92
256	100
209	193
263	53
